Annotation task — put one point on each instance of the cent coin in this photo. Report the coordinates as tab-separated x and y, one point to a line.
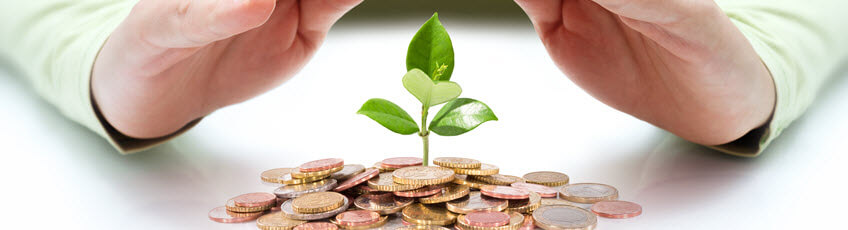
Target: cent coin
422	214
547	178
484	170
256	199
317	226
357	179
449	193
323	164
221	215
504	192
564	217
357	218
476	202
347	172
385	182
544	191
274	175
422	175
401	162
616	209
292	191
421	192
487	219
588	192
276	221
318	202
289	212
525	205
456	162
383	203
499	179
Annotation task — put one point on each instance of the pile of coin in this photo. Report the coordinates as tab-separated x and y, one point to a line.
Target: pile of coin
400	193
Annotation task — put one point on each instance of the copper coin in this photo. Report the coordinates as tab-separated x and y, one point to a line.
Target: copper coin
323	164
256	199
317	226
504	192
358	179
543	191
357	218
221	215
617	209
487	219
347	172
383	203
400	162
421	192
279	202
528	224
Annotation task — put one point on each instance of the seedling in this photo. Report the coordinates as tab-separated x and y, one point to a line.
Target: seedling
429	62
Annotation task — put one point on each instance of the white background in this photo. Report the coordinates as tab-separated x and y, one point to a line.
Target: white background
57	174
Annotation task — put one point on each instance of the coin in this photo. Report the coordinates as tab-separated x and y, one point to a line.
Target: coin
274	175
383	203
358	179
555	201
487	219
277	203
288	179
221	215
484	170
588	192
296	173
323	164
347	172
276	221
449	193
421	192
616	209
515	222
401	162
422	227
547	178
476	202
470	181
525	205
528	224
456	162
423	214
289	212
357	218
256	199
543	191
231	206
422	175
379	166
318	202
292	191
564	217
498	179
382	221
385	182
504	192
317	226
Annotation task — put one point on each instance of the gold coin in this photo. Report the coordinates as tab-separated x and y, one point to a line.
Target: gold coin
555	201
422	175
456	162
515	222
475	202
232	207
449	193
276	221
499	179
564	217
289	180
377	224
547	178
588	193
484	170
296	173
379	166
423	214
274	175
525	205
384	182
422	227
470	181
318	202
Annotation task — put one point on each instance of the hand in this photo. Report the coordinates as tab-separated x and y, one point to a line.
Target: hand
173	61
678	64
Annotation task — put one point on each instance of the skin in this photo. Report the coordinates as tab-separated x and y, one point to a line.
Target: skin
678	64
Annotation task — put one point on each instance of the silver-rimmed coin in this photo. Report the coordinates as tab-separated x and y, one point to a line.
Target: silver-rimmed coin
564	217
292	191
347	172
475	202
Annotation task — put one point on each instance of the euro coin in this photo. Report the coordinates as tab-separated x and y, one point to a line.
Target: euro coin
564	217
486	219
292	191
525	205
588	193
383	203
357	179
544	191
382	221
289	180
323	164
505	192
476	202
347	172
449	193
456	162
484	170
385	182
401	162
547	178
421	192
289	212
422	214
499	179
256	199
470	181
317	226
221	215
318	202
322	173
276	221
616	209
357	218
515	222
274	175
422	175
231	206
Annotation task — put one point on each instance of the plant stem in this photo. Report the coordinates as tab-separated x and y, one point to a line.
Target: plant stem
424	133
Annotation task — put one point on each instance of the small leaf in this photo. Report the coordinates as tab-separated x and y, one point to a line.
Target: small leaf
389	115
429	93
431	49
460	116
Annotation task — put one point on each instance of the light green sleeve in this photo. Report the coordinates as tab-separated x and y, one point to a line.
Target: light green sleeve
54	44
803	43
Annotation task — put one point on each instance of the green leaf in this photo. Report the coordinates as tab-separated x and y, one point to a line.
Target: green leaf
460	116
389	115
429	93
431	50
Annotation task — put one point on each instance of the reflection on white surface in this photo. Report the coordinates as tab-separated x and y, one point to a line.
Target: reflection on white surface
54	167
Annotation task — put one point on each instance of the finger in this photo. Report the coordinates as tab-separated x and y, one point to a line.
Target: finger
545	14
662	12
194	23
319	15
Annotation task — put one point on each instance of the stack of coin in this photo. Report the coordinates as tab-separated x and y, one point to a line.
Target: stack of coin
400	193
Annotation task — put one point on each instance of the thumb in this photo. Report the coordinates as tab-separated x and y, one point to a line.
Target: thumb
194	23
661	12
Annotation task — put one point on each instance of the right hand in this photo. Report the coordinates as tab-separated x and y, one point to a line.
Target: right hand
678	64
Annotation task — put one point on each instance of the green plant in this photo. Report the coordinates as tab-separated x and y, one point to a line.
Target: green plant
429	62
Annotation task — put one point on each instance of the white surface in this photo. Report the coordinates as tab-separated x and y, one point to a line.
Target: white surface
56	174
